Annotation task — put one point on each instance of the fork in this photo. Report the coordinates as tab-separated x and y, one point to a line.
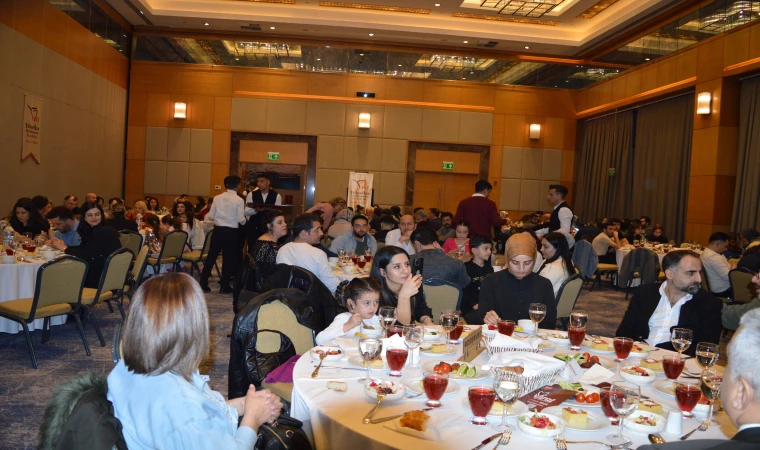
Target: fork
506	436
702	427
560	443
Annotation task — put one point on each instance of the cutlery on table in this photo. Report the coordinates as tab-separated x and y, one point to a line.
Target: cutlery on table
655	438
368	417
385	419
322	357
702	427
506	436
561	443
342	368
486	441
410	394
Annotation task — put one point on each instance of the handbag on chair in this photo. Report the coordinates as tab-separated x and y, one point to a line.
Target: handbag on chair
285	434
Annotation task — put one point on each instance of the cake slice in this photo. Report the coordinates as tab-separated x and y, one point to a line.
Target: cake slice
416	420
575	417
600	344
438	348
649	405
376	364
651	363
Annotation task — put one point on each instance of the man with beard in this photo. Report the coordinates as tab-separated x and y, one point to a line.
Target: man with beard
678	302
358	240
446	231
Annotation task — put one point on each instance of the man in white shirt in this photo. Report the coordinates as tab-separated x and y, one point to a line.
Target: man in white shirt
605	244
401	237
307	232
228	216
716	265
253	201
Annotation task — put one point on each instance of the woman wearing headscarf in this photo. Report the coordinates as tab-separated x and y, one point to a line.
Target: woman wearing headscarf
507	294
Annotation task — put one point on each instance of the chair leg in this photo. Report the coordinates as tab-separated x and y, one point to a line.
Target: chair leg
29	344
45	329
121	310
96	326
81	333
110	307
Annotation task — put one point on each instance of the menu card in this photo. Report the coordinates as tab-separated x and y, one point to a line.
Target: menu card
471	345
546	396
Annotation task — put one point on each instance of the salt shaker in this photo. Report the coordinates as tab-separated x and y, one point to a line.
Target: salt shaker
674	422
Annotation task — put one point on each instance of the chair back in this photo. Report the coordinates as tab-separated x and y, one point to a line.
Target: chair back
741	285
116	344
206	244
116	270
138	270
441	295
585	259
131	240
641	261
568	294
276	316
705	281
59	281
173	246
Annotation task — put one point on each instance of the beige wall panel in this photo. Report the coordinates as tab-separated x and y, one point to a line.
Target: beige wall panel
198	179
377	114
402	123
330	184
178	148
78	87
325	118
512	158
156	139
530	195
551	168
6	53
53	73
201	143
532	163
27	61
475	128
248	114
176	177
394	155
220	147
392	189
155	177
330	152
362	153
440	125
286	116
510	193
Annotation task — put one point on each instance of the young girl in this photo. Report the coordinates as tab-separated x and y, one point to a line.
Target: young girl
362	298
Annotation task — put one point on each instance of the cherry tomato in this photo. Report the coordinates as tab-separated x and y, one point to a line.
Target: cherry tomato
586	355
580	397
595	359
592	398
445	368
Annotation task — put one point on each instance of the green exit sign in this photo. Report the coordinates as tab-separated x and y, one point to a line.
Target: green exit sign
448	165
273	156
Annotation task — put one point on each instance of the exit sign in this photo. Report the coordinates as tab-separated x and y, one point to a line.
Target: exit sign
273	156
448	165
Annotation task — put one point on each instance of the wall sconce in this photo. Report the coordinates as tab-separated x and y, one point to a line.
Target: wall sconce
704	103
364	120
535	131
180	110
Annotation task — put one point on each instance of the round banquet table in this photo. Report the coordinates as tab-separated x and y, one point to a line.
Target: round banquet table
18	281
335	418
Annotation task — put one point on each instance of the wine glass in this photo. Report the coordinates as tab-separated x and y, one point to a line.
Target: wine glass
688	394
710	383
370	350
576	329
368	255
507	386
681	339
413	335
537	313
707	354
388	316
481	400
449	321
624	398
435	385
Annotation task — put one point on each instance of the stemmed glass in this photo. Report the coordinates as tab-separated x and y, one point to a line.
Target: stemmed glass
368	255
435	385
710	383
537	313
388	315
507	386
624	398
413	335
449	321
576	329
707	354
370	350
623	346
681	339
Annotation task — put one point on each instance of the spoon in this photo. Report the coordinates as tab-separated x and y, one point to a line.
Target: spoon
368	417
655	438
322	357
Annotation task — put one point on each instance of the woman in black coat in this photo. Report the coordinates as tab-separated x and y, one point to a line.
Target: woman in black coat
26	218
98	242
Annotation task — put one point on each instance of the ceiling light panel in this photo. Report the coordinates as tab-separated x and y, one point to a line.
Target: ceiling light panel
522	8
512	19
600	6
375	7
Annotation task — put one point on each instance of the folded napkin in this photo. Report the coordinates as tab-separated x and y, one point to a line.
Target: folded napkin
502	340
284	372
393	341
435	427
534	363
596	374
347	344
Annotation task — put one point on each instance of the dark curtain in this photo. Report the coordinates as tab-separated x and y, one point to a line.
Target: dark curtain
661	160
606	143
747	199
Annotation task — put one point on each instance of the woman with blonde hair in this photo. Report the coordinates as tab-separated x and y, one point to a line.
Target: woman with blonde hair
139	207
157	392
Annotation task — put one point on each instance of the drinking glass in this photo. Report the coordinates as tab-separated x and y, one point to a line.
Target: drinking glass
673	365
413	335
624	399
672	243
507	387
623	346
604	399
341	252
710	383
388	316
435	385
368	255
505	327
361	263
687	396
707	354
537	313
576	329
681	339
449	320
481	400
636	243
396	357
370	349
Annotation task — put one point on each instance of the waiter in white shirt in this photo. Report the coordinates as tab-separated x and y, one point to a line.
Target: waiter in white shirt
561	218
263	195
228	216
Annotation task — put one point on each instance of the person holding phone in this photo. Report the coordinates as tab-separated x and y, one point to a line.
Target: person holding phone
401	285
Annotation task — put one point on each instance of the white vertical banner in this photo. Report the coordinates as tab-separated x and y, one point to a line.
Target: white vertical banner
32	130
359	189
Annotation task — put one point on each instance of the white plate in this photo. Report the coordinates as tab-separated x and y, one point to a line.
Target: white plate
647	349
665	387
546	346
515	409
450	350
628	423
430	337
329	358
357	361
639	379
596	421
572	402
562	342
611	351
372	394
540	432
479	374
607	363
415	385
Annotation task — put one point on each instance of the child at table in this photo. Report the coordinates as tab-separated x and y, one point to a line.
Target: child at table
362	298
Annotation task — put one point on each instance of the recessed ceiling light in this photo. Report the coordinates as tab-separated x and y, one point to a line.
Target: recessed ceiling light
372	34
437	4
319	59
271	28
399	65
527	47
205	23
465	42
647	59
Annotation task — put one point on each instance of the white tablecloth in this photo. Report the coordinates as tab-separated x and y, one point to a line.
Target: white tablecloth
335	418
18	281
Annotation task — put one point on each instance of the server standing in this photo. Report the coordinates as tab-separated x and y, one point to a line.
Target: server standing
254	205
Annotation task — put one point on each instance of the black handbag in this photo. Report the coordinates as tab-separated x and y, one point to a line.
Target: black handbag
285	434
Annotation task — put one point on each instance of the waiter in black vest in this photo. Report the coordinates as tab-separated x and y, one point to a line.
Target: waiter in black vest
253	206
561	219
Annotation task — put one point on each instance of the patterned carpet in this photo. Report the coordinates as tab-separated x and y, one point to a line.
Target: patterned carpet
24	391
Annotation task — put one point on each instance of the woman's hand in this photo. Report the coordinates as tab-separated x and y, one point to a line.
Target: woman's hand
238	404
57	243
410	287
260	407
354	321
491	318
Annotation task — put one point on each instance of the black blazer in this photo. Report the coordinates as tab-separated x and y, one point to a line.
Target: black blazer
103	241
701	314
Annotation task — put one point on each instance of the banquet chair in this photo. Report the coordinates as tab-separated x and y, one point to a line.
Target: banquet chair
441	295
131	240
196	256
58	290
641	263
116	343
171	251
110	288
134	280
568	294
741	285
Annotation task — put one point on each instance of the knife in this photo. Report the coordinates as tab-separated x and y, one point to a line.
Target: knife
385	419
486	441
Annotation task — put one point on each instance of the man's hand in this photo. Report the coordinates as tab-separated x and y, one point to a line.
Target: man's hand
491	318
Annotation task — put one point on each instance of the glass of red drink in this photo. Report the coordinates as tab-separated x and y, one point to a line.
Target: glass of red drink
623	346
395	330
673	366
9	251
576	335
368	255
456	333
604	398
687	397
506	327
435	386
481	400
396	357
361	263
354	259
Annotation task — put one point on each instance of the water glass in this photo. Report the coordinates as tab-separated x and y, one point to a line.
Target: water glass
681	339
370	350
449	320
624	399
413	335
710	383
537	313
388	315
507	385
707	354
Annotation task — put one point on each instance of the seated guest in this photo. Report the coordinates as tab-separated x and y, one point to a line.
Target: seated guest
421	218
342	223
164	342
115	201
400	237
118	222
732	314
716	265
750	260
202	213
358	240
98	241
91	197
558	264
41	203
677	302
646	226
399	288
196	237
71	202
605	244
333	207
634	234
507	294
396	212
461	241
750	238
617	222
139	208
734	249
437	264
27	219
477	269
434	217
153	205
387	223
446	231
200	203
361	298
374	218
264	249
65	225
657	235
307	232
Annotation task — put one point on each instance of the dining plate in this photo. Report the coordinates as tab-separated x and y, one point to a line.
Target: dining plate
596	420
665	387
546	346
450	350
415	385
541	432
480	374
559	338
315	353
357	361
629	423
515	409
610	351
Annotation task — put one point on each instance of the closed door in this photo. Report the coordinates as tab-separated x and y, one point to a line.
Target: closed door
442	190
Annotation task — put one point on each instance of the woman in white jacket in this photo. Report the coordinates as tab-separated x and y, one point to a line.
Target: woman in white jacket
557	265
192	226
362	298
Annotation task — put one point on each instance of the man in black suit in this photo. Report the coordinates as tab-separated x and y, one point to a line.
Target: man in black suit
740	393
678	302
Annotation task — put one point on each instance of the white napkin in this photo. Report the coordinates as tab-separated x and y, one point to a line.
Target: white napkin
534	363
393	341
347	344
435	427
597	374
502	340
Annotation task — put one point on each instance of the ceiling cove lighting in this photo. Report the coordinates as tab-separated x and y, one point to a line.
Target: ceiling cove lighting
532	8
400	9
535	131
600	6
505	19
180	110
704	103
364	119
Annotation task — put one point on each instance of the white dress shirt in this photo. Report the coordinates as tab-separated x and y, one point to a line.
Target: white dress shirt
249	199
335	329
227	210
601	244
717	268
664	317
565	222
392	238
310	258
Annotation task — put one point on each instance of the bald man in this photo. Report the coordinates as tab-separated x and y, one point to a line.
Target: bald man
400	237
91	197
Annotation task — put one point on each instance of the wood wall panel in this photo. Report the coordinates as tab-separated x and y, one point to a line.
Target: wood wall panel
133	183
56	29
497	133
442	92
138	109
156	78
249	80
136	142
514	130
28	17
290	152
431	161
404	89
478	95
619	87
220	147
736	47
754	42
366	83
202	112
687	64
328	84
222	113
209	81
667	71
710	60
290	82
